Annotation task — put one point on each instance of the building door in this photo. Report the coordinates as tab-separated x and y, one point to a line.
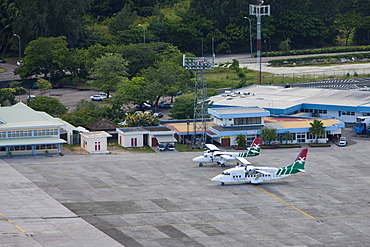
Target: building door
133	142
97	146
225	142
301	137
154	142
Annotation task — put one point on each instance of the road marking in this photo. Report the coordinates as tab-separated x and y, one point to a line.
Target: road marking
20	228
8	220
281	200
340	168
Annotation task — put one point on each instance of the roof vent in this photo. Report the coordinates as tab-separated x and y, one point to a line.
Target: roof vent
2	122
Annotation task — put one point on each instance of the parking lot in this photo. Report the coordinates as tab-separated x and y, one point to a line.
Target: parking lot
164	199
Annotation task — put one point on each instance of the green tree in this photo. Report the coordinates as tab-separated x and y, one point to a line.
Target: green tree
51	18
268	135
49	105
317	128
43	84
122	20
285	45
183	107
86	112
44	56
348	23
7	96
108	71
141	120
166	78
287	137
241	140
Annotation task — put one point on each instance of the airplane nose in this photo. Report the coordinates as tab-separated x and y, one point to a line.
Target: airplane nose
197	159
216	179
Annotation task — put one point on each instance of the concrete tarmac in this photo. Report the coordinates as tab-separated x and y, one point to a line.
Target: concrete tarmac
165	199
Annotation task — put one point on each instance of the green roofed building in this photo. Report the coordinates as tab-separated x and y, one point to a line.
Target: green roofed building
24	131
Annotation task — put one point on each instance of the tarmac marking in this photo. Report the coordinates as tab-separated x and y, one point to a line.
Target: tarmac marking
8	220
281	200
201	223
340	168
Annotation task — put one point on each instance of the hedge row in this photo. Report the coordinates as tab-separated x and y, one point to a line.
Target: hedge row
316	51
321	59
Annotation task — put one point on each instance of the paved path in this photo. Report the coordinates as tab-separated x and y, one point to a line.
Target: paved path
246	61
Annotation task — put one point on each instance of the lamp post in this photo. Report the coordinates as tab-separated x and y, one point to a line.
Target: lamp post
144	31
250	34
19	46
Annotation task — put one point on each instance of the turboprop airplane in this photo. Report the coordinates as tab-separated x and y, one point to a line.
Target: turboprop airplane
214	155
256	175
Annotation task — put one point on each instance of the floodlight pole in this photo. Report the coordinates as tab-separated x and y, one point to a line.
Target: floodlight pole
250	34
259	10
19	46
199	65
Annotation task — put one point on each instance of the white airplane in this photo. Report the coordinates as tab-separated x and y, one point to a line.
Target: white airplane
256	175
214	155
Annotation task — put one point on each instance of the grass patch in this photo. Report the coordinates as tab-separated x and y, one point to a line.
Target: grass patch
145	149
319	145
184	148
2	70
71	147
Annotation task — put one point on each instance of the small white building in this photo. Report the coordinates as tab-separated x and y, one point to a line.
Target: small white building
145	136
95	142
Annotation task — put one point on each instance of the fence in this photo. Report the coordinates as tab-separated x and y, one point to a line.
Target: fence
314	75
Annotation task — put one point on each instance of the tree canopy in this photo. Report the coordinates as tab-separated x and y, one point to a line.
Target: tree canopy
49	105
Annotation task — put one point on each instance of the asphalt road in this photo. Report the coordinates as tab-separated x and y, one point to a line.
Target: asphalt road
164	199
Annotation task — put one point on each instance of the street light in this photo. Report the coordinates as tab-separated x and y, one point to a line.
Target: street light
250	35
144	31
19	46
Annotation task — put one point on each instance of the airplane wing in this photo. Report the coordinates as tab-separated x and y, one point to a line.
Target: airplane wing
243	161
260	171
212	147
227	157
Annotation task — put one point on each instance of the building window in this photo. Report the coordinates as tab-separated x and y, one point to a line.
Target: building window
348	113
247	121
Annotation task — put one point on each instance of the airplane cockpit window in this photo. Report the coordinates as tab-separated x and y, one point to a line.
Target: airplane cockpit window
225	173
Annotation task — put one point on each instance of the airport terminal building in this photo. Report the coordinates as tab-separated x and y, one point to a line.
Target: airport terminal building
287	109
343	105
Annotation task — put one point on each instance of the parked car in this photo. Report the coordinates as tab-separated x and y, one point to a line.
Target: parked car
143	106
99	97
58	85
30	98
342	141
161	147
158	114
150	112
171	146
164	104
2	60
34	86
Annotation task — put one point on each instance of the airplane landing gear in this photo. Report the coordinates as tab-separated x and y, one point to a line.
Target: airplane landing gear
200	164
222	183
223	164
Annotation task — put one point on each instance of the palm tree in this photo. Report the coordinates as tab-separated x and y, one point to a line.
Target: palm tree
240	140
317	128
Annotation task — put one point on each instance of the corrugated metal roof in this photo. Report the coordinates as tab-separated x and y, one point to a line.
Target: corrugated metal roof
20	116
31	141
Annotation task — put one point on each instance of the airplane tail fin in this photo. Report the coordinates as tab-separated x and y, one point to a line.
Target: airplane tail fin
297	166
254	149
